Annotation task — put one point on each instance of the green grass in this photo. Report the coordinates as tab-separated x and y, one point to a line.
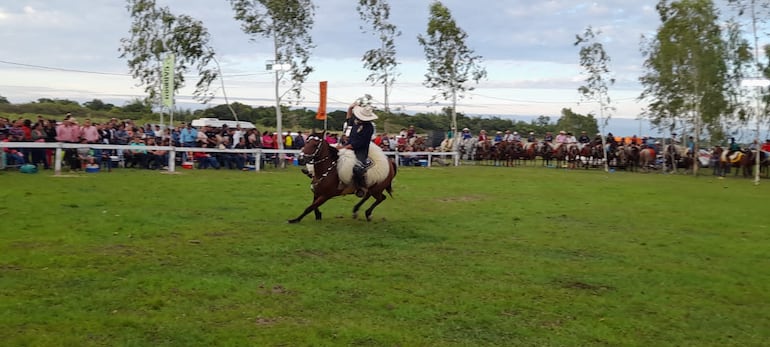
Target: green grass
468	256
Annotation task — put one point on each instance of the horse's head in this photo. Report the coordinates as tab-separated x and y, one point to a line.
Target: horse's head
315	149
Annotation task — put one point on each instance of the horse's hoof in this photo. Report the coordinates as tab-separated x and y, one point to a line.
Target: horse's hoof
292	221
355	215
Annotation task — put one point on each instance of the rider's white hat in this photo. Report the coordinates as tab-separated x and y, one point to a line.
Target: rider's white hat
365	114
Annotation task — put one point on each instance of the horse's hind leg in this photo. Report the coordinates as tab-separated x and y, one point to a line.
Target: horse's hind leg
359	204
379	199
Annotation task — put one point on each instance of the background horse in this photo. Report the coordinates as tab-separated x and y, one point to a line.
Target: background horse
647	159
743	160
333	175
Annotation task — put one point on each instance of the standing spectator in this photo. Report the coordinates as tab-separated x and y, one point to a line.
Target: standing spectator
188	135
4	128
299	140
38	154
69	132
410	132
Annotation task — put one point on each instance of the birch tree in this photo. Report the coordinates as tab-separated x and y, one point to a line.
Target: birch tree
596	63
155	32
288	23
452	65
380	61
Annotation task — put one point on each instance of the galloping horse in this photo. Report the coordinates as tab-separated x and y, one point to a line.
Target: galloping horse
332	172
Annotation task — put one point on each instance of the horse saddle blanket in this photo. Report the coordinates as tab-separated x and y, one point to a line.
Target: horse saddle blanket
732	158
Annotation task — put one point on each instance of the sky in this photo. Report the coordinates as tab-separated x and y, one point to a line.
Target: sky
69	49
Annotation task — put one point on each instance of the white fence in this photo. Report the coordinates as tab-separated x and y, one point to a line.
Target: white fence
172	151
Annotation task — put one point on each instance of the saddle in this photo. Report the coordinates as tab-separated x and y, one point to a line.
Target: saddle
732	158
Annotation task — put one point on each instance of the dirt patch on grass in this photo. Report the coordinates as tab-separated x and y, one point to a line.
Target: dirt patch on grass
464	198
596	289
118	249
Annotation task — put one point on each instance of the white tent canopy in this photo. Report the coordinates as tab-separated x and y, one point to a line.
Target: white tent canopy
216	123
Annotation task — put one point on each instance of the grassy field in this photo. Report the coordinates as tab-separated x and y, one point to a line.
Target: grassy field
468	256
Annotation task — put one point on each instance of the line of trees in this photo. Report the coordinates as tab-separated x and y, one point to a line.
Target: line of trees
437	123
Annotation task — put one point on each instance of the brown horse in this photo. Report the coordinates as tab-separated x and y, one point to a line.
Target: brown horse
332	172
740	160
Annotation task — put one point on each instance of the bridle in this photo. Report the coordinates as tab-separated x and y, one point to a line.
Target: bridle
311	158
313	161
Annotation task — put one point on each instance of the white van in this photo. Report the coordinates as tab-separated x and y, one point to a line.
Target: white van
216	123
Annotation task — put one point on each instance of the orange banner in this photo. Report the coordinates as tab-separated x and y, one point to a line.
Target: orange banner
321	115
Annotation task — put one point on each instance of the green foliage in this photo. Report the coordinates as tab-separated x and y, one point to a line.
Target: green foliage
575	122
686	69
156	32
288	23
98	105
596	63
451	63
4	100
380	61
450	261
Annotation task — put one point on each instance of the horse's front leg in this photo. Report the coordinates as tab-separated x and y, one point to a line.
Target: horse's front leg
359	204
317	201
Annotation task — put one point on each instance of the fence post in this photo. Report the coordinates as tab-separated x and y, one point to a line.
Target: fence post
57	158
430	158
172	159
257	160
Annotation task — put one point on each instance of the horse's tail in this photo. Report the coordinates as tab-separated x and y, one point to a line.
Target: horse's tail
389	188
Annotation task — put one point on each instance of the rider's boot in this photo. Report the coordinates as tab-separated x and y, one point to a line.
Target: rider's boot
358	178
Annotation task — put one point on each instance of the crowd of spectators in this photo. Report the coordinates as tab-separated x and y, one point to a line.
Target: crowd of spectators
184	135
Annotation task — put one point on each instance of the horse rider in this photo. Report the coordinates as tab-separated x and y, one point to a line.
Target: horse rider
516	136
610	142
531	137
583	139
498	137
359	118
483	136
508	136
548	137
734	147
466	134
